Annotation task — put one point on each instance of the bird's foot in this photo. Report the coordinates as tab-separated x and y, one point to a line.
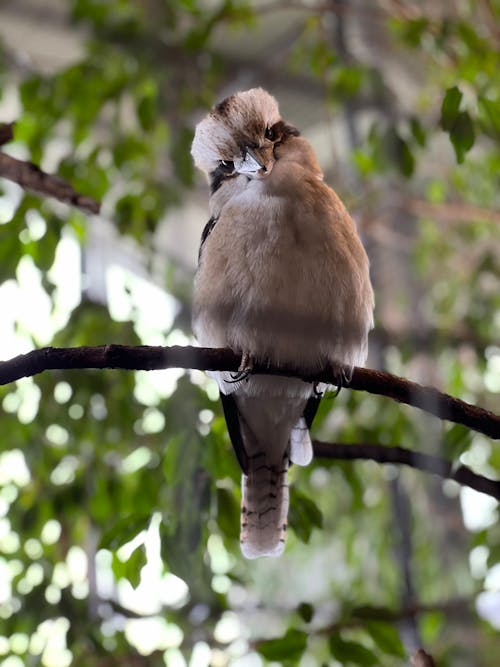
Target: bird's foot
244	369
318	390
342	376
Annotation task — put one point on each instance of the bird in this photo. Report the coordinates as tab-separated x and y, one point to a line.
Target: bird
282	279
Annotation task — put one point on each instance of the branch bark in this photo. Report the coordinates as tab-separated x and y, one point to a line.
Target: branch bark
145	357
6	133
422	659
452	211
29	176
399	455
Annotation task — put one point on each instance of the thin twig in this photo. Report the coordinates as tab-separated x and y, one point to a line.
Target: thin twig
491	19
453	212
29	176
145	357
409	457
330	7
458	608
6	133
431	338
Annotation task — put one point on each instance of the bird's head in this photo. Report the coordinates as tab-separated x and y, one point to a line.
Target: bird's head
239	136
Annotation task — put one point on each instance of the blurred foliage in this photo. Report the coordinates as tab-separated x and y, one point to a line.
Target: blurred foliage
104	478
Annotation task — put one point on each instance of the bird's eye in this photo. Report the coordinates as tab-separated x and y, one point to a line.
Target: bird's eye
226	166
270	133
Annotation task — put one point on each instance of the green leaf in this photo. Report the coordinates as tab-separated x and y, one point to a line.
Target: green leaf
371	612
405	159
305	611
181	155
456	440
489	114
412	30
123	530
289	647
349	652
147	105
450	107
386	637
304	515
134	565
228	513
431	625
398	151
346	81
417	131
364	162
131	568
462	135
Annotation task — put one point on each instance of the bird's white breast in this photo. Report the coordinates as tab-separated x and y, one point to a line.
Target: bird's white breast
272	282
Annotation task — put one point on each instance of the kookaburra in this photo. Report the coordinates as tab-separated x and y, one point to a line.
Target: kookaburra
282	278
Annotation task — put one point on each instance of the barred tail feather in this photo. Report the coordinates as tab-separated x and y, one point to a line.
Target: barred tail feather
264	508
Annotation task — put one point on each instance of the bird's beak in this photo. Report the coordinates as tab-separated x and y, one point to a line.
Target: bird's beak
254	161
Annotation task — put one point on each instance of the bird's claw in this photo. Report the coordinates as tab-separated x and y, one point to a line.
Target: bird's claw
317	392
244	369
342	376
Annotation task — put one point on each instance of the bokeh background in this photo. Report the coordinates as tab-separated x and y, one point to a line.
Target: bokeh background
119	492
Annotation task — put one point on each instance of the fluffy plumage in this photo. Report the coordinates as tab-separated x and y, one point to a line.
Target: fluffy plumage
283	277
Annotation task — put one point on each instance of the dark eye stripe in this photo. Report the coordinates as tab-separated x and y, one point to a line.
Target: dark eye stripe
224	171
226	166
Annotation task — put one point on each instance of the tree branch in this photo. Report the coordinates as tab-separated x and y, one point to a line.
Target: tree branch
409	457
144	357
456	608
29	176
422	659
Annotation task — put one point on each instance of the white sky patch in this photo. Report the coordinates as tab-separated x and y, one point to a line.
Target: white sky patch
134	298
228	628
249	660
13	468
478	453
153	386
156	587
479	510
152	634
488	607
155	590
51	532
13	342
49	640
136	460
478	561
64	472
174	658
5	573
10	200
492	581
66	275
201	655
33	308
492	375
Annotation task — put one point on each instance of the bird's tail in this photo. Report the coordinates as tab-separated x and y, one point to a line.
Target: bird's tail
264	507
